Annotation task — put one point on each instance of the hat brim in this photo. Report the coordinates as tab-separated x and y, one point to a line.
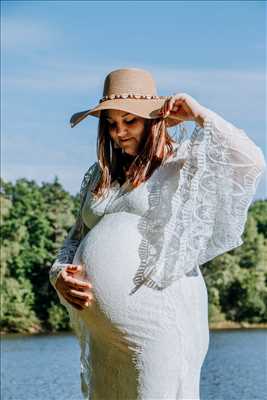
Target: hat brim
146	108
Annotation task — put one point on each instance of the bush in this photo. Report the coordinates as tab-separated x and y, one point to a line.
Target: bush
58	318
17	299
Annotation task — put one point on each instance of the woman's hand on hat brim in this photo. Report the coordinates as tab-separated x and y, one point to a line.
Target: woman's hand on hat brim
184	107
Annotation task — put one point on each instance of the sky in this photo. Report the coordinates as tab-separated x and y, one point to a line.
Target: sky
56	54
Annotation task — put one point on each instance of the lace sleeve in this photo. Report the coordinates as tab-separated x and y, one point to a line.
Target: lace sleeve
77	232
208	209
232	171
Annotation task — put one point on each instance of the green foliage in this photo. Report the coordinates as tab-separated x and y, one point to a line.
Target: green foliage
35	220
17	299
58	318
34	223
236	281
214	307
259	211
251	253
245	298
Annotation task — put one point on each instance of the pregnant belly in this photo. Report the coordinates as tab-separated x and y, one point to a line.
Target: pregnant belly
109	255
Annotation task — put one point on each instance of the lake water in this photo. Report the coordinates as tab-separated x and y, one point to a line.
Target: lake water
47	367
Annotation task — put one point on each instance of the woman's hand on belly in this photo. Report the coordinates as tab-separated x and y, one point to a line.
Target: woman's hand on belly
77	292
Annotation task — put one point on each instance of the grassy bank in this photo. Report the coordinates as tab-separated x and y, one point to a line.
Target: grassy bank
236	325
214	326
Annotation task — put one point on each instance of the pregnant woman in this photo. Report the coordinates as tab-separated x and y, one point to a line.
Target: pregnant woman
153	210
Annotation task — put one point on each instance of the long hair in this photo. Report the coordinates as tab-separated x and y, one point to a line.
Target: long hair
155	147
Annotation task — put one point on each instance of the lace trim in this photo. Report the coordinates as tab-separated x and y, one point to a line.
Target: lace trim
208	211
152	223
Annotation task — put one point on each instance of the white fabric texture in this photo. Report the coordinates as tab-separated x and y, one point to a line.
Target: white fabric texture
204	215
149	341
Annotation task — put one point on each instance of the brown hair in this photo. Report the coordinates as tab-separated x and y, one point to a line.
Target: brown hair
156	147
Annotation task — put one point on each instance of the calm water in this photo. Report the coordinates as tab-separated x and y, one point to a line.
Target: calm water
47	367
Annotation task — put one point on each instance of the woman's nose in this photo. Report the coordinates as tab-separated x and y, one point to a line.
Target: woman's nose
120	131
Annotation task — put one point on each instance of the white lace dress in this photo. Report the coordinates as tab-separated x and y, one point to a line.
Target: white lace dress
146	335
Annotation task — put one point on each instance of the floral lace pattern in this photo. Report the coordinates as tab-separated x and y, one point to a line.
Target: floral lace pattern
207	213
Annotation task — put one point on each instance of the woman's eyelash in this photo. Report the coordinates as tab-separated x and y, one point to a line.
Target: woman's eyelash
127	122
131	121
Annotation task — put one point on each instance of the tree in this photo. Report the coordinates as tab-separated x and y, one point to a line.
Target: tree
17	299
236	280
34	224
259	211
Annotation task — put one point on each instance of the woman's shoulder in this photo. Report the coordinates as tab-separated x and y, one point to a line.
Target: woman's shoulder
90	176
180	151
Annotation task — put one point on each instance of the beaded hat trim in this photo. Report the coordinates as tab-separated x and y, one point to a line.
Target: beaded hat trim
131	96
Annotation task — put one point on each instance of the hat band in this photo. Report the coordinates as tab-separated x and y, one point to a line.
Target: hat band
131	96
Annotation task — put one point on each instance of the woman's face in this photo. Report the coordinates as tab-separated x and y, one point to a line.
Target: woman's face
127	130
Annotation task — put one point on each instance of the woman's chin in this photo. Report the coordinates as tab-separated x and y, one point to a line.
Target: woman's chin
130	152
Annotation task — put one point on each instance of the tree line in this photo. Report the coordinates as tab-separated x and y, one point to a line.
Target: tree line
35	219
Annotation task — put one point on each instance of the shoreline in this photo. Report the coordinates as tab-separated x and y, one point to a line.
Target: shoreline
229	325
213	326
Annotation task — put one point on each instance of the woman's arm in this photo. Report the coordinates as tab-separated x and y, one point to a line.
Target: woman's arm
233	167
78	231
67	251
205	214
222	173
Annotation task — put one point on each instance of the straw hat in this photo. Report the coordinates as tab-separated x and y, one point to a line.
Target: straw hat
128	89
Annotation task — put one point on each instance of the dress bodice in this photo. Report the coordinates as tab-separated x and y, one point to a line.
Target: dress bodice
116	200
122	198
